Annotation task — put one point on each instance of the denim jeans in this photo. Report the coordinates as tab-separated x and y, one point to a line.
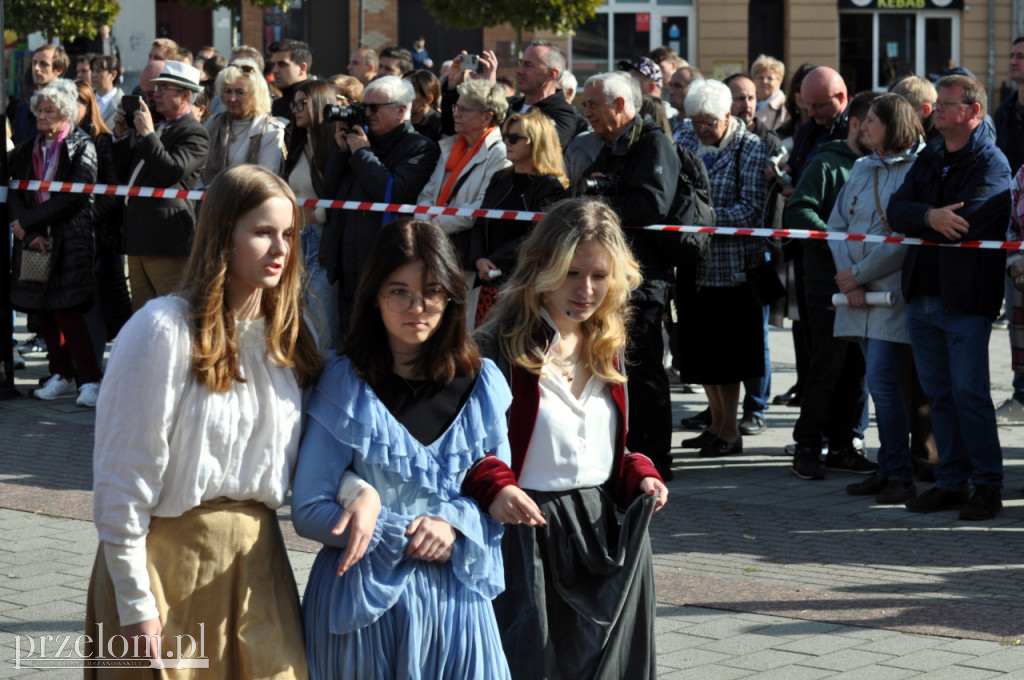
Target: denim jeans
883	374
319	296
757	391
951	355
1018	386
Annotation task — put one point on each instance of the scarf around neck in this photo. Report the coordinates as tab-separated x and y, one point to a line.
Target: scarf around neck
458	158
44	160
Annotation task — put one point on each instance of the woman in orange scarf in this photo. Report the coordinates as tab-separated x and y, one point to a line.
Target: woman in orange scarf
468	161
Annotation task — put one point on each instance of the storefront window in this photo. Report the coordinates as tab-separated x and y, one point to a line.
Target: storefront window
878	48
626	29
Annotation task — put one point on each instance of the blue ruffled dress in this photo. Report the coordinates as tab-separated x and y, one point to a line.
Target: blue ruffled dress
391	616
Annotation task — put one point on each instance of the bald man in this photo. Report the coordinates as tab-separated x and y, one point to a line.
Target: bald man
825	94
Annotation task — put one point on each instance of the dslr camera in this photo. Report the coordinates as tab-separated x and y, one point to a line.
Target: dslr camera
602	184
354	114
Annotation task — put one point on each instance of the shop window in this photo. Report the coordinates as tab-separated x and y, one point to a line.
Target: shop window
876	49
626	29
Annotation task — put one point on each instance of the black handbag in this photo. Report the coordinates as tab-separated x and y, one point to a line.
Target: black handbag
764	282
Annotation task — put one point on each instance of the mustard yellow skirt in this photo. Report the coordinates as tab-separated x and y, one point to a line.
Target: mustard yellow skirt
223	565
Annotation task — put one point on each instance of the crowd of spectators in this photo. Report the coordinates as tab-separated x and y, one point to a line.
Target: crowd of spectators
778	147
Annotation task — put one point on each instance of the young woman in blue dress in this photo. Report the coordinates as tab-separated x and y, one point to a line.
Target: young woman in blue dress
409	407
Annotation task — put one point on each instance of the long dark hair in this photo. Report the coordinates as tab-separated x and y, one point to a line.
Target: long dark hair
449	352
319	93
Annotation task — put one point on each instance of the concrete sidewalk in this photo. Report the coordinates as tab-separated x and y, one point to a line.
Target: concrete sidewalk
759	574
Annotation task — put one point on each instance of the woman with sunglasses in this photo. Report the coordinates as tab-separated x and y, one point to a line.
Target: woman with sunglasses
410	408
535	181
245	132
309	148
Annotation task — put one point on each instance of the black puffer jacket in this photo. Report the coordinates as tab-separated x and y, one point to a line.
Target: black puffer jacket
67	217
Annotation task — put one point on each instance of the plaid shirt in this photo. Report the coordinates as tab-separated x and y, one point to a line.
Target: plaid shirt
738	191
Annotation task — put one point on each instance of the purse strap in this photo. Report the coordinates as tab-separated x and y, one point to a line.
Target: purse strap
878	205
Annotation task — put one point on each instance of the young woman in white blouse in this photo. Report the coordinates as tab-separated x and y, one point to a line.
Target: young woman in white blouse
197	433
579	583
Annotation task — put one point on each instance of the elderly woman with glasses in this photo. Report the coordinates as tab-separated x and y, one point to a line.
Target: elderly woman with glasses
468	161
59	224
727	348
245	132
767	73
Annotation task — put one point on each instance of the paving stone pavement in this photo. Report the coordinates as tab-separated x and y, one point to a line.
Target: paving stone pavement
759	574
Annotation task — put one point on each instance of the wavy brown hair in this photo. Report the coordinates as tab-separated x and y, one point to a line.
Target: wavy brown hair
319	93
290	342
449	352
93	115
543	262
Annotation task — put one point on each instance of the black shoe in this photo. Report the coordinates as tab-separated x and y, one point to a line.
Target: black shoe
664	468
896	491
720	448
848	460
751	425
869	487
807	463
701	421
700	441
985	503
787	397
935	499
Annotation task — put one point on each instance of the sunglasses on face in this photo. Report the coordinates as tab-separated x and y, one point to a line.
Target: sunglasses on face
513	138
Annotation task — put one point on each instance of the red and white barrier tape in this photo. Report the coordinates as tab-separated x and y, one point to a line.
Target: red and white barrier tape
153	192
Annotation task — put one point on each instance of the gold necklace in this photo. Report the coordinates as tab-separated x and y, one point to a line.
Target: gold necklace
567	368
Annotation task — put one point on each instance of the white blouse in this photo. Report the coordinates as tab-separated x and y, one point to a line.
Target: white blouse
165	443
573	441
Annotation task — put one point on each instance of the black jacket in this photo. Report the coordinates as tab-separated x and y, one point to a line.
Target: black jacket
67	217
403	158
970	280
645	167
162	226
567	119
1010	132
810	136
498	240
108	211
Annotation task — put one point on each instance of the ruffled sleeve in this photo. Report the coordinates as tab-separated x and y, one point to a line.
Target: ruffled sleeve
349	425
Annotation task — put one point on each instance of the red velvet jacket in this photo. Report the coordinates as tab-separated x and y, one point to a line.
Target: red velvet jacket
490	475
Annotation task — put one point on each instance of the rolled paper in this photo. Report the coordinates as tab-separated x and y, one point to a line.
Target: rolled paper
874	299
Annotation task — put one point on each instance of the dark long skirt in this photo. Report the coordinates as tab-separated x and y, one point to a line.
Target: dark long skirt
579	593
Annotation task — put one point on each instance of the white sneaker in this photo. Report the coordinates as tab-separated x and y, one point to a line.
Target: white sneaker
19	361
88	394
55	388
1010	413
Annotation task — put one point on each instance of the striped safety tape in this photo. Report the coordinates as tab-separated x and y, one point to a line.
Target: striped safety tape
154	192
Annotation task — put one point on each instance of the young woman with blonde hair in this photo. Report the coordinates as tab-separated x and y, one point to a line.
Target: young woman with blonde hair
197	434
557	333
535	181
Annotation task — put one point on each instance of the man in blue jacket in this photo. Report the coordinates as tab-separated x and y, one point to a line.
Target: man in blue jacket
958	190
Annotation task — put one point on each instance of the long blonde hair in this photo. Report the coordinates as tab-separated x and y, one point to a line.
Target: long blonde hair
543	263
545	149
215	348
